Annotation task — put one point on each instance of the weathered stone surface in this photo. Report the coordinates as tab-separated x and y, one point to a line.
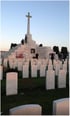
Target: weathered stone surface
30	109
61	107
50	79
11	83
25	71
1	72
62	79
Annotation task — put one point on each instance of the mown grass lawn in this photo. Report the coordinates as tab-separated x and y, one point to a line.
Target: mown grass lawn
32	91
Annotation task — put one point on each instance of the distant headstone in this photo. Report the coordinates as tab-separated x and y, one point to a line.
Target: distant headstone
20	65
25	71
10	63
54	63
50	62
61	107
60	62
50	67
46	62
57	68
5	62
30	109
42	70
11	83
1	72
39	64
50	79
56	56
33	70
62	79
15	64
65	67
0	61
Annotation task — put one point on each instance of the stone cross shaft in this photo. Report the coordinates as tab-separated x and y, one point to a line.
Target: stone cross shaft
28	24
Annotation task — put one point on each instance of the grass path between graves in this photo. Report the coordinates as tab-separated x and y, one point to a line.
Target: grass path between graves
34	93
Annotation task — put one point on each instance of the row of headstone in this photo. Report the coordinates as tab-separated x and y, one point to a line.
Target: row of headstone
12	79
34	69
50	79
57	64
14	62
38	64
60	107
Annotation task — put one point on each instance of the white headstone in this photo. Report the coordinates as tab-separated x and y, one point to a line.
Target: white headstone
11	83
20	65
5	62
56	56
25	71
65	67
50	67
1	72
50	79
57	68
15	64
34	70
61	107
65	61
33	62
50	62
42	70
11	63
39	64
60	62
47	62
0	61
62	79
30	109
54	63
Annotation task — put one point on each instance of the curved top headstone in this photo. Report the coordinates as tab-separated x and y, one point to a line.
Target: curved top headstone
61	106
29	109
